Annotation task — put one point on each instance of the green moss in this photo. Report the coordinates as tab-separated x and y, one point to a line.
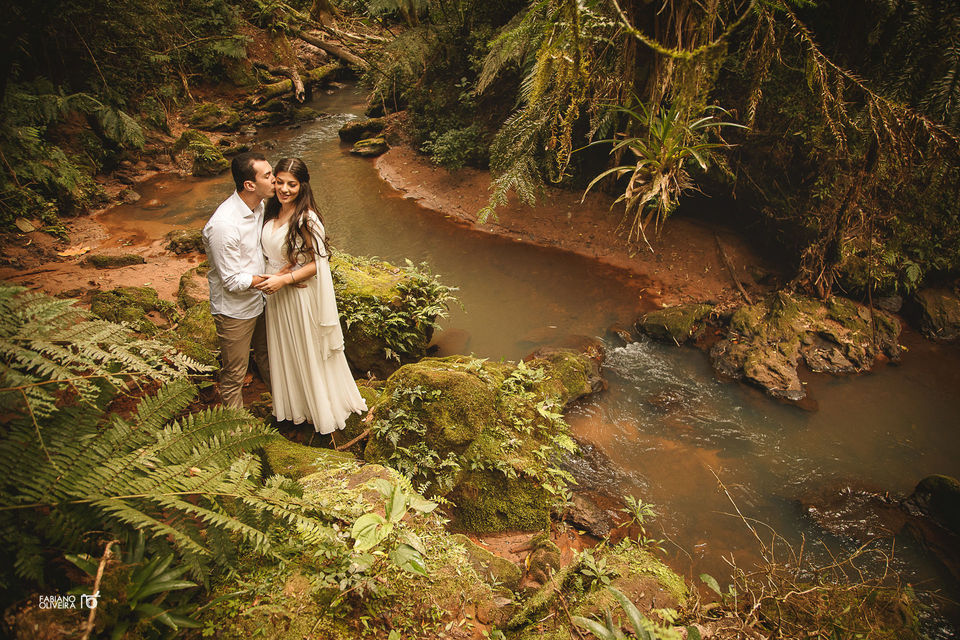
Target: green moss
132	304
499	571
304	114
570	374
677	324
360	129
101	261
184	241
191	292
213	117
370	147
197	334
489	501
298	461
208	160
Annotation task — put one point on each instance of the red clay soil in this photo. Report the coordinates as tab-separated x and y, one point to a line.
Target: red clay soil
687	264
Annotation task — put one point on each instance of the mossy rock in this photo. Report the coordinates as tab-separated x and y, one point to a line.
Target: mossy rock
299	461
208	159
939	497
489	431
370	147
765	342
183	241
102	261
571	374
674	324
193	288
361	129
355	426
211	116
131	305
379	304
938	313
499	571
304	114
196	334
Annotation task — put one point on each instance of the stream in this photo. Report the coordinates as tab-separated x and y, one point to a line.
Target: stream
673	431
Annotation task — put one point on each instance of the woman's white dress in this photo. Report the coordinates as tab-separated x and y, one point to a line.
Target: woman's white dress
309	374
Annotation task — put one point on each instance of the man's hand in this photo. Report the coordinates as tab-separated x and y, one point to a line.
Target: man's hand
256	281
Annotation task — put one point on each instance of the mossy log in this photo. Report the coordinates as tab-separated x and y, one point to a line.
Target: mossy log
318	75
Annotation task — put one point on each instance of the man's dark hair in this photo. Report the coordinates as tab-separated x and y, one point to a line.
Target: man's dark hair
242	167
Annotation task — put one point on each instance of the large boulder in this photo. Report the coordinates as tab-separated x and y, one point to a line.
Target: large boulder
356	130
207	159
140	307
485	435
674	324
210	116
938	313
388	313
183	241
766	342
370	147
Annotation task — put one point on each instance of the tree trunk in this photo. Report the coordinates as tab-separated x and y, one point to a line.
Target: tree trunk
333	50
297	83
311	77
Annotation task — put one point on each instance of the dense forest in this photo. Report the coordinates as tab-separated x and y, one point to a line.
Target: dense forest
827	131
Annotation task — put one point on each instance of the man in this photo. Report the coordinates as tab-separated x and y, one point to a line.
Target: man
232	241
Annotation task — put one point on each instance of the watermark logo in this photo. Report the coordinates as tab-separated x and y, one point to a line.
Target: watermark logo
87	601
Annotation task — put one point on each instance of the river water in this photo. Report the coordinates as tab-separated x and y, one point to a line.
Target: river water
673	431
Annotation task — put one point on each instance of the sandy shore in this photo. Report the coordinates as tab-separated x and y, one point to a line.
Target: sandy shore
687	264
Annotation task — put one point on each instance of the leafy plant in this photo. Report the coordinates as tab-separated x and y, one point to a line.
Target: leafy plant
72	466
371	529
672	139
141	600
641	513
642	628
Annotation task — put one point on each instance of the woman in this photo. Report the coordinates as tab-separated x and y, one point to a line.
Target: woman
310	378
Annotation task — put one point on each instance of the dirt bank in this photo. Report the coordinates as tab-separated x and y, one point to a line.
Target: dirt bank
687	264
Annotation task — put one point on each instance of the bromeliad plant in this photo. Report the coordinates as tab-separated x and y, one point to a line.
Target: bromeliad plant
672	139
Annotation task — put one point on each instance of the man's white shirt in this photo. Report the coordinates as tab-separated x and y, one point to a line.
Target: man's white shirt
231	239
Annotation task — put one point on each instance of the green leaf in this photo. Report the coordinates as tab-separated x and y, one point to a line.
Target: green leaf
711	582
368	531
86	564
594	627
396	505
408	559
420	504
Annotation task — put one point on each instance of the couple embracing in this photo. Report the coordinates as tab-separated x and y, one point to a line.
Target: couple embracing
271	288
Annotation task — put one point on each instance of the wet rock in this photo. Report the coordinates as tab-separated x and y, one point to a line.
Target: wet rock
210	116
938	497
585	514
129	196
765	342
153	204
208	160
304	114
890	304
573	374
359	129
101	261
620	335
675	324
490	566
370	147
184	241
544	560
938	313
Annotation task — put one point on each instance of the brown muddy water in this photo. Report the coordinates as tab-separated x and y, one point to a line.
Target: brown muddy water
673	431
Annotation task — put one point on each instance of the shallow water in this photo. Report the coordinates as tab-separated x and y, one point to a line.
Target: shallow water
674	431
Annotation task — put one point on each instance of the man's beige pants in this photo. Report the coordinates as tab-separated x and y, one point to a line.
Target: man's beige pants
236	337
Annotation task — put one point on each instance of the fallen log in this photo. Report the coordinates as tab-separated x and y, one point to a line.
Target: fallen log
312	77
297	84
332	49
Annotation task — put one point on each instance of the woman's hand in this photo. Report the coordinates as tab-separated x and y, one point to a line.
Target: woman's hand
274	283
290	269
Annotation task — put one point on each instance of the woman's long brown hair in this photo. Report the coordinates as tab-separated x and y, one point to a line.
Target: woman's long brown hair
299	241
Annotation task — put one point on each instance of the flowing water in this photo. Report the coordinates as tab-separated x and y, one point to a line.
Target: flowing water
673	431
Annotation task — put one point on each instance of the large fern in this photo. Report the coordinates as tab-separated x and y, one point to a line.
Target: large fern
76	472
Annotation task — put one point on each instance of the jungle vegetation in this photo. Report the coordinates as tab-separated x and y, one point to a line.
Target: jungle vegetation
830	128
